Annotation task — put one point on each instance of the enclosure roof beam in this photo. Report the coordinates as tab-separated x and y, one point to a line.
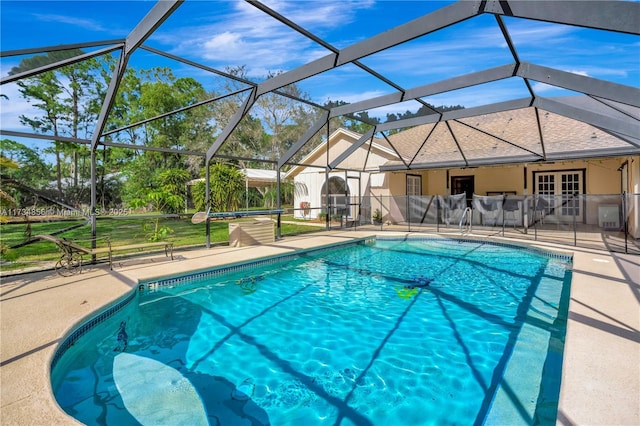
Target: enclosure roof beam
311	131
467	80
105	143
591	153
618	16
156	16
197	65
456	114
175	111
320	41
579	83
517	159
36	50
540	133
152	148
58	64
18	134
407	166
232	124
439	19
224	74
501	139
588	85
354	146
455	140
616	107
426	24
625	127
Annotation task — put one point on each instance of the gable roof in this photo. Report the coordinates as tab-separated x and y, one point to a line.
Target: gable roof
341	135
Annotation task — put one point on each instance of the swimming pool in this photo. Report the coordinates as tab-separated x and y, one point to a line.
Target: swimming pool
388	332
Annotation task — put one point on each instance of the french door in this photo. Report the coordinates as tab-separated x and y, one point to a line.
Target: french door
415	208
559	195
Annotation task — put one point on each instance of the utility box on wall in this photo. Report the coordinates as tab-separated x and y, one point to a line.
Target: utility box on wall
609	216
243	234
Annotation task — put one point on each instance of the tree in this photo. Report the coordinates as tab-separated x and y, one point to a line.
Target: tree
67	99
6	200
166	196
285	119
31	169
226	189
152	93
248	139
359	122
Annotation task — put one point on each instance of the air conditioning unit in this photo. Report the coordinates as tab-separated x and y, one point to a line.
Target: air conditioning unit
609	216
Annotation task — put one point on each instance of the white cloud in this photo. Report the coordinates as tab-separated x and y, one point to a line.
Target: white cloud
87	24
11	109
320	15
220	45
540	88
244	35
540	34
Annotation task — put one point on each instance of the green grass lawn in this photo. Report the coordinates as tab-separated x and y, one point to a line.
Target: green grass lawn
121	232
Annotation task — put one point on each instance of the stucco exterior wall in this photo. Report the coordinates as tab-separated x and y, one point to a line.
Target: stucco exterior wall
314	180
314	177
601	176
492	179
633	165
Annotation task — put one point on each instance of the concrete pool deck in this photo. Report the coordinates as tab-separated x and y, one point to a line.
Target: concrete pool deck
601	371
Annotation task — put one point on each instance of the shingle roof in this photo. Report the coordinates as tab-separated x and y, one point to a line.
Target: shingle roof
525	135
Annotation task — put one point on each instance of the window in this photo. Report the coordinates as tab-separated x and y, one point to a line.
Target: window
414	185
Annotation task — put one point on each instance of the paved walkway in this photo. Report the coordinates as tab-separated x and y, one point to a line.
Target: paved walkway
601	374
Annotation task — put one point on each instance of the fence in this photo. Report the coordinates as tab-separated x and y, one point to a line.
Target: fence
608	222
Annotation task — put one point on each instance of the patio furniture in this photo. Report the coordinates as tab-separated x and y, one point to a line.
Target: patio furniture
511	206
540	209
71	257
453	207
489	207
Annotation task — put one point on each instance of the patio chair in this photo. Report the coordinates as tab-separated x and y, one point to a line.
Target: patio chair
540	208
511	206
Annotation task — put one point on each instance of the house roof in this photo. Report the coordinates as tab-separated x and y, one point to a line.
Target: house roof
376	145
523	135
255	178
513	136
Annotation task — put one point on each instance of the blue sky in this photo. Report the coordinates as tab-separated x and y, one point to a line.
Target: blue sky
232	33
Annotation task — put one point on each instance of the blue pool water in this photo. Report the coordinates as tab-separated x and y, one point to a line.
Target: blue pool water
414	332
